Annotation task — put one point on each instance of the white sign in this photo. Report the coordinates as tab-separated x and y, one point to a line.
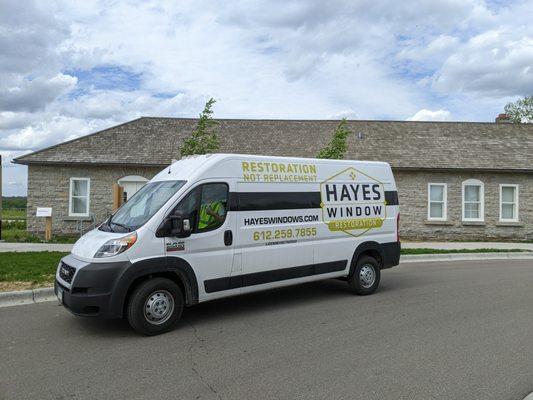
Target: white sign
44	212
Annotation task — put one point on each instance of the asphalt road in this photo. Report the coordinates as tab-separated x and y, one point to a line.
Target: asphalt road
455	330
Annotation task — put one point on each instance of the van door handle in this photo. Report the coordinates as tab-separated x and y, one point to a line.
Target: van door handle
228	238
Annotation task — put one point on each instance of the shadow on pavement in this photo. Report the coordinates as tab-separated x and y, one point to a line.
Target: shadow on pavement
237	306
271	300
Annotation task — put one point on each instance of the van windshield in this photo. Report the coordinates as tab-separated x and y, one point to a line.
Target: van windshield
142	206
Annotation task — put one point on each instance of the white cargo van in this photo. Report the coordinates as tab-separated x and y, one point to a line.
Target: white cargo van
219	225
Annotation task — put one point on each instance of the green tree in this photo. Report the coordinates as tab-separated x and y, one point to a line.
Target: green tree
204	138
337	147
521	111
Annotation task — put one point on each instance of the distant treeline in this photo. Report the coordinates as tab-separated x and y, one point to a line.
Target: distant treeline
14	202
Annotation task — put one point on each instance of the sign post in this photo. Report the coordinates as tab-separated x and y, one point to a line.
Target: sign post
46	212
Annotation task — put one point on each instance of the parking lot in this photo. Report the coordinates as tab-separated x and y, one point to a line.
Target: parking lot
454	330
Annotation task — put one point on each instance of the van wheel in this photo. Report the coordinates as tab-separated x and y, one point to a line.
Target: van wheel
155	306
366	276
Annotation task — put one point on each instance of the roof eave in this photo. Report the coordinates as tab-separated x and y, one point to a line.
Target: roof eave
154	165
451	169
92	164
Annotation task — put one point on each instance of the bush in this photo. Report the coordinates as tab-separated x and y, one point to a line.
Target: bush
15	231
14	224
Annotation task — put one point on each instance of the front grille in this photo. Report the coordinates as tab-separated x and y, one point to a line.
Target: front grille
66	272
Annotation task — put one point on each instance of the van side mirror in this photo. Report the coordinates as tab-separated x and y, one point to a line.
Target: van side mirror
174	225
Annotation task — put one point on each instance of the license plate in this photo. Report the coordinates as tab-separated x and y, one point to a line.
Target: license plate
60	295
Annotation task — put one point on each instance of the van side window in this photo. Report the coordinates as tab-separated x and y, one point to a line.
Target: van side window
188	207
213	206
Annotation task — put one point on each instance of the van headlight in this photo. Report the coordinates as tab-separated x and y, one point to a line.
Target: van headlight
116	246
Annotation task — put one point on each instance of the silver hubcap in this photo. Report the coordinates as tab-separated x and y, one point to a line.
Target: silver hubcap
367	276
158	307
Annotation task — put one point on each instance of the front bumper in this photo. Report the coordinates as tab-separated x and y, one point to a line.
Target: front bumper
93	290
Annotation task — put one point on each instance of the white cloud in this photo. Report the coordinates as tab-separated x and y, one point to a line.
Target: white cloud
348	114
428	115
432	54
30	36
261	59
47	132
14	120
494	63
34	94
13	177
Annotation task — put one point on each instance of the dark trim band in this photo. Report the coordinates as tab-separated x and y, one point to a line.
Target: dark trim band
391	197
258	201
276	275
261	201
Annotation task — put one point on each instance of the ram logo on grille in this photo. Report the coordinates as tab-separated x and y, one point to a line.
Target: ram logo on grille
66	272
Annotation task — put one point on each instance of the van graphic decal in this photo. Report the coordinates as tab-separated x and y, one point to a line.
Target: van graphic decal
352	202
264	171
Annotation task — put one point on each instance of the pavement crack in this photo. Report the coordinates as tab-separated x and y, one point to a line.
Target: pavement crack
194	364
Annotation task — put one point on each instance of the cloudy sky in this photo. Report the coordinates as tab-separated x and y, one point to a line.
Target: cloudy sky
71	68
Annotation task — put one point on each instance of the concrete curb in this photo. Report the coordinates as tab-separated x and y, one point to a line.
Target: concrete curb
412	258
31	296
40	295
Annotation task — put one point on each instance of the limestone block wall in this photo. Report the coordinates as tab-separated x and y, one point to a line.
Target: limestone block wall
48	186
413	194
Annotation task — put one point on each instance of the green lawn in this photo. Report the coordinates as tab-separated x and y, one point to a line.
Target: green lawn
440	251
29	269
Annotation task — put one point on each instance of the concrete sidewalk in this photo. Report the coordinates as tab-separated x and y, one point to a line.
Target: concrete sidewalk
23	247
406	245
467	245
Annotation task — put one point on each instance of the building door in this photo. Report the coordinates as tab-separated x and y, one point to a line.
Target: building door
131	185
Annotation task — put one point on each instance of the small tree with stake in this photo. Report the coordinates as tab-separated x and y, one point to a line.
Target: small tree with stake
337	147
204	138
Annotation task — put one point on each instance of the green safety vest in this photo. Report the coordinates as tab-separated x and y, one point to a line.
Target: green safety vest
206	220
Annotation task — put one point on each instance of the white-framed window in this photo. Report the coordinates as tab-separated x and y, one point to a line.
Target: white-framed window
508	203
78	205
473	193
437	201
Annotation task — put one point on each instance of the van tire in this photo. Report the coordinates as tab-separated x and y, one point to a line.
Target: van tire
365	277
155	306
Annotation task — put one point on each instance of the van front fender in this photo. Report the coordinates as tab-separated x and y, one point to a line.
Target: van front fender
153	266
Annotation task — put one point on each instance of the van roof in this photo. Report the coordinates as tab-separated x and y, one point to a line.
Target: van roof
197	166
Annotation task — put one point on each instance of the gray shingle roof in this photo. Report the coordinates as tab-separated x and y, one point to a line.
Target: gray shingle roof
156	141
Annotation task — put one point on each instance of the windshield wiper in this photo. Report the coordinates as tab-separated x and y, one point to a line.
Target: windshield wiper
121	225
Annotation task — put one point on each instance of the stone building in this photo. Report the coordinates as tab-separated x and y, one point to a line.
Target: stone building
456	180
